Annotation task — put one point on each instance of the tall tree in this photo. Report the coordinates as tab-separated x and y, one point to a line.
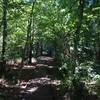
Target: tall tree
78	29
4	24
27	53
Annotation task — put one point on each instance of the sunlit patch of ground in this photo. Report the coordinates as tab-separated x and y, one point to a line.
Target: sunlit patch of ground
39	84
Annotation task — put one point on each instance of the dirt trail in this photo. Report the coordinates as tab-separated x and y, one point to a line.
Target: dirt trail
36	82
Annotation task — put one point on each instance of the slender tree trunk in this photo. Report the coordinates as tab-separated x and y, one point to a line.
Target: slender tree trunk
37	49
27	52
77	90
41	48
30	53
98	54
31	41
4	23
77	33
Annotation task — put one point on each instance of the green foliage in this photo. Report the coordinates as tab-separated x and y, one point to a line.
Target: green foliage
56	22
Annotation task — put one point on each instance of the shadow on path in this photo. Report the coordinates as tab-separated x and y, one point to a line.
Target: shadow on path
36	82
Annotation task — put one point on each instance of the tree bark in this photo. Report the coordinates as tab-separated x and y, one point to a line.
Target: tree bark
77	33
4	24
75	82
27	52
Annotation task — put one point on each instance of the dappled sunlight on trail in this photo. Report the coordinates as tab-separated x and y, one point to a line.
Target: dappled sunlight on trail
35	83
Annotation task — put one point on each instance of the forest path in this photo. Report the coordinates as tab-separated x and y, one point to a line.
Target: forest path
36	82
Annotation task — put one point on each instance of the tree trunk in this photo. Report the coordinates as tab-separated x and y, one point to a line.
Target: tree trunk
77	33
27	52
4	23
76	43
30	54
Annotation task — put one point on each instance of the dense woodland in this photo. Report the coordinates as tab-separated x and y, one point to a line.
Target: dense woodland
66	31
